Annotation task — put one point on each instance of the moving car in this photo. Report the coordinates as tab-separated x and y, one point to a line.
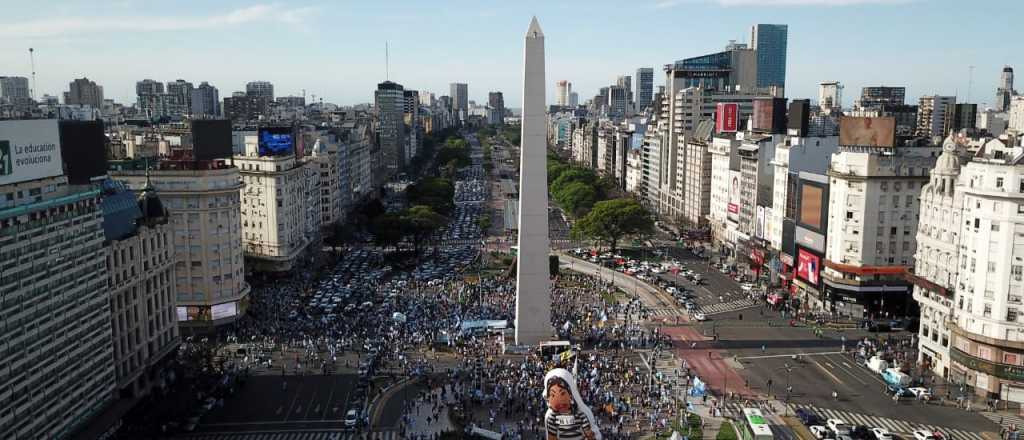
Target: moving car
922	434
881	434
351	417
807	417
838	427
820	432
700	316
920	393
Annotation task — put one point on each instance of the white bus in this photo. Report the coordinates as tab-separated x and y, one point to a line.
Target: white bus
756	427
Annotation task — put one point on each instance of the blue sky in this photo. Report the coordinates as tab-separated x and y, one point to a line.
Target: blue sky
335	49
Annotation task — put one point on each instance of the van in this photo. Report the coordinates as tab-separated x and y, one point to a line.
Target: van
876	364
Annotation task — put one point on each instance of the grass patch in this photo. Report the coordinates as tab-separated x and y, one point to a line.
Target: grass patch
726	432
693	431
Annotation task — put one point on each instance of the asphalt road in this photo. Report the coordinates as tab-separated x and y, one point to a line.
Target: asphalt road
305	402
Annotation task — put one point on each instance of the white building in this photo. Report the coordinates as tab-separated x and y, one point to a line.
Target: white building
723	215
872	228
1016	114
987	350
830	96
634	171
935	116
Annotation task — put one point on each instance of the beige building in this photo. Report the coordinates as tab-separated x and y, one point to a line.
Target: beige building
204	203
140	281
56	358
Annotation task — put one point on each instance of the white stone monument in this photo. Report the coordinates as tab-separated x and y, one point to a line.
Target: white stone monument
533	281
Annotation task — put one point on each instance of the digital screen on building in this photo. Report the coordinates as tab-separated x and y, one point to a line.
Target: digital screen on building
84	148
867	132
211	139
808	266
192	313
226	310
812	204
276	141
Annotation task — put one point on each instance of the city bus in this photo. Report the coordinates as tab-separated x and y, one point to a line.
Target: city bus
756	427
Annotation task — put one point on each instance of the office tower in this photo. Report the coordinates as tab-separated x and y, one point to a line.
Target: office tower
140	274
830	96
965	116
205	100
411	119
14	90
877	96
240	107
496	100
181	92
460	96
533	284
1005	90
562	90
618	101
427	99
260	88
935	116
291	101
574	99
626	82
644	88
769	41
84	92
148	87
203	200
389	103
57	362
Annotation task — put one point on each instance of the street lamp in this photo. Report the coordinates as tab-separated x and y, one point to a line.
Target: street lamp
789	388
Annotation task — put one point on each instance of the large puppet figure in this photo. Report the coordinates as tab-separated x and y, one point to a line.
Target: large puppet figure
567	416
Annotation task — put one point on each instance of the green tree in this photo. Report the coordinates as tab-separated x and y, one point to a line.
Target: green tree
437	193
576	197
611	220
572	175
387	229
419	223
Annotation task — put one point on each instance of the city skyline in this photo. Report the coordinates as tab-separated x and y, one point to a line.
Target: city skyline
296	38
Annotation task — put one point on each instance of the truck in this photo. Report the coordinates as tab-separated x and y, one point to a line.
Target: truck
893	376
876	364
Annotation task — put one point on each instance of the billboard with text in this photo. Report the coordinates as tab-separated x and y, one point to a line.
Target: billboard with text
727	116
808	267
29	150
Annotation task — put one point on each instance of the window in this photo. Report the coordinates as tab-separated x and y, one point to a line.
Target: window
906	246
896	201
1015	271
1011	314
884	186
881	218
991	267
987	312
995	226
881	231
849	214
999	182
892	230
945	341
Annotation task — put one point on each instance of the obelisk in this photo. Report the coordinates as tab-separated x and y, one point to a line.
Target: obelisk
533	281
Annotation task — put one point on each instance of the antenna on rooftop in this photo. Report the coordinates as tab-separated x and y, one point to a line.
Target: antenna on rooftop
387	61
970	81
32	59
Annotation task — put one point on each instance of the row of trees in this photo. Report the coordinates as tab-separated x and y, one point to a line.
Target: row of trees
415	224
575	189
612	220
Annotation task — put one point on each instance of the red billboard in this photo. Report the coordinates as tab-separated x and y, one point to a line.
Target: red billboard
808	267
727	117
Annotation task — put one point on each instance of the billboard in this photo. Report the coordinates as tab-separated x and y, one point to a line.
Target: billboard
812	206
226	310
769	115
808	267
84	148
211	139
727	117
734	195
867	132
276	141
799	117
29	149
759	220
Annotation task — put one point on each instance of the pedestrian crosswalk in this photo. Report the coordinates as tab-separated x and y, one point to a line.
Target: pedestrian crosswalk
727	307
1006	420
667	312
892	425
295	435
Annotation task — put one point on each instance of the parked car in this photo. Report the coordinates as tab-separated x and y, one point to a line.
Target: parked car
881	434
838	427
820	432
920	393
861	432
922	434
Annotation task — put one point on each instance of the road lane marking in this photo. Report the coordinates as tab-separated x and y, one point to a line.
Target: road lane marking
829	373
770	356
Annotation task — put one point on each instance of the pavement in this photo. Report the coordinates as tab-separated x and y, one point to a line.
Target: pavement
650	296
278	403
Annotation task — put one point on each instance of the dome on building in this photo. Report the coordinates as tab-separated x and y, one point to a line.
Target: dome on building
948	162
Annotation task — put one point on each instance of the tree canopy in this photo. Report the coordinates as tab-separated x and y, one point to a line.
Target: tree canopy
435	192
611	220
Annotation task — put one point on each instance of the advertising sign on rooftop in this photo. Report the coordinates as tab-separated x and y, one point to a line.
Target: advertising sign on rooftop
867	132
727	117
29	150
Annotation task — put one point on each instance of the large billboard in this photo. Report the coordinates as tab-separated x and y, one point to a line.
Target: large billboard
734	195
29	149
276	141
798	120
808	266
867	132
727	116
812	203
84	148
226	310
769	115
211	139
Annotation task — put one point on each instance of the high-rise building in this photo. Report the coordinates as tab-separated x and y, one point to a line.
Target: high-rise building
260	88
618	101
84	92
427	99
644	88
935	116
562	90
574	99
770	41
496	100
626	82
203	200
965	116
389	103
14	90
411	118
1005	90
240	107
1015	121
460	97
148	87
181	90
205	100
830	96
877	96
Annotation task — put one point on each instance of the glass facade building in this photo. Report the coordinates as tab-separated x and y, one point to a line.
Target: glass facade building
769	40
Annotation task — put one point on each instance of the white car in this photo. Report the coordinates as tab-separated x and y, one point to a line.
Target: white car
881	434
838	427
920	392
351	417
820	432
700	316
922	434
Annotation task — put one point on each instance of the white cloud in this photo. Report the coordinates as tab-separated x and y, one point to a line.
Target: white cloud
53	27
663	4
